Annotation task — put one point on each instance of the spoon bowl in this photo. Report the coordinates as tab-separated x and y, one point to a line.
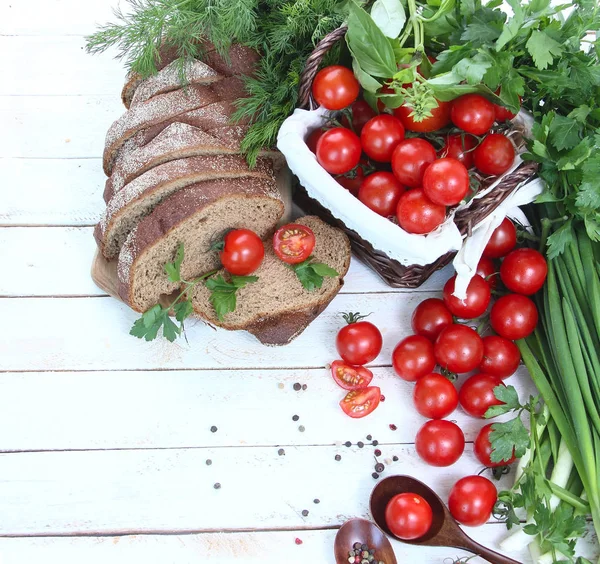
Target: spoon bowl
365	532
444	530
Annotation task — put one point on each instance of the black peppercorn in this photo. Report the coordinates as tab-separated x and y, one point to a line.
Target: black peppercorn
395	459
369	437
208	462
375	442
375	475
217	486
338	457
297	387
295	418
281	452
379	467
360	444
213	429
377	452
305	512
304	386
348	444
316	500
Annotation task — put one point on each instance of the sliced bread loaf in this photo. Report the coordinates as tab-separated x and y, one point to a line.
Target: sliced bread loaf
196	216
138	198
277	308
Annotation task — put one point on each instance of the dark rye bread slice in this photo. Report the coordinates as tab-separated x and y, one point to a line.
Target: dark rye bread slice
195	216
276	308
164	107
176	141
169	79
138	198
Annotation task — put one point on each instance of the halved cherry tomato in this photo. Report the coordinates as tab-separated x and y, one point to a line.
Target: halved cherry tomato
293	243
502	241
488	271
476	394
350	377
335	87
459	147
482	447
501	357
430	318
477	300
440	117
242	253
359	403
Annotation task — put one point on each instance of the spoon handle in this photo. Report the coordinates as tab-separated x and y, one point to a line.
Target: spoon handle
488	554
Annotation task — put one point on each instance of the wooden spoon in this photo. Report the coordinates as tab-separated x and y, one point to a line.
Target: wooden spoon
444	530
365	532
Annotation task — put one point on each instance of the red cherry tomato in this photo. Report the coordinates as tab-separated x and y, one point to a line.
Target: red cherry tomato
440	117
413	358
472	500
380	136
446	182
502	113
435	396
458	349
430	317
242	253
335	87
380	192
352	180
459	147
408	516
494	155
313	138
350	377
502	241
410	159
488	271
359	343
361	114
338	150
514	316
476	394
524	271
473	113
482	447
359	403
501	357
440	442
416	213
293	243
477	300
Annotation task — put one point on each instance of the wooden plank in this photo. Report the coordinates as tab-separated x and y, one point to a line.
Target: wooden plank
115	492
92	334
77	72
248	407
62	127
55	17
35	273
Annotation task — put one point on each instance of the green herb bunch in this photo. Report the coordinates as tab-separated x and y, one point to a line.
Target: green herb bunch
283	31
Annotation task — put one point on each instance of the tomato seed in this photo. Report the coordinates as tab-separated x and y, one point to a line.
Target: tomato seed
281	452
297	387
338	457
295	418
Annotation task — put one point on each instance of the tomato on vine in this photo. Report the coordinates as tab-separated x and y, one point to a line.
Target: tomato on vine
440	117
476	394
359	342
501	357
458	349
361	113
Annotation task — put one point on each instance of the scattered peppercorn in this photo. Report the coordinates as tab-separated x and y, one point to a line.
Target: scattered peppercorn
298	541
213	429
357	546
301	428
360	444
295	418
375	442
217	486
297	387
338	457
348	444
395	458
393	427
379	467
281	452
369	437
382	398
304	386
305	512
208	462
316	501
280	385
377	452
375	475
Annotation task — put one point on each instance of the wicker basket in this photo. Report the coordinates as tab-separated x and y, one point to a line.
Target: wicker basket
395	274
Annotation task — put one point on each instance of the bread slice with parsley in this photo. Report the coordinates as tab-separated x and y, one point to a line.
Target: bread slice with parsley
196	216
277	307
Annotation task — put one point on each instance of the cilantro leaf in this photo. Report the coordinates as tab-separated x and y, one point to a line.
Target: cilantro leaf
506	394
508	438
311	274
564	132
172	268
542	49
223	293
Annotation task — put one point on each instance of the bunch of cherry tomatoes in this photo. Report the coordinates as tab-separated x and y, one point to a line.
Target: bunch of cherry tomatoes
400	177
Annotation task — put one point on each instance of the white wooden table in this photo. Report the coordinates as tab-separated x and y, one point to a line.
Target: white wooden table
104	439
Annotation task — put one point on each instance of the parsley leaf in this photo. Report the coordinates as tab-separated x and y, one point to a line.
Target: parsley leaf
508	438
223	293
564	132
147	326
173	268
542	49
311	274
506	394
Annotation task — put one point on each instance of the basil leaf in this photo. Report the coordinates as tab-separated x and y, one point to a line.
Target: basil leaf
365	79
368	44
389	16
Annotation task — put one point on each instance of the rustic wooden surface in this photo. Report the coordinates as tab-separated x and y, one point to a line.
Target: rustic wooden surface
104	439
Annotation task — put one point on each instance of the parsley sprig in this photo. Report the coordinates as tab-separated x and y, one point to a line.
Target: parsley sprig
311	274
223	292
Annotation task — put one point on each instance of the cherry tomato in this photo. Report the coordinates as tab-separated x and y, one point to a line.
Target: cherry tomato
476	394
494	155
440	117
430	317
435	396
413	358
380	136
502	113
488	271
335	87
482	447
446	182
501	357
440	442
242	253
513	316
410	159
361	114
359	403
313	138
416	213
524	271
477	300
350	377
380	192
352	180
408	516
359	342
472	500
338	150
459	147
502	241
473	113
293	243
458	349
